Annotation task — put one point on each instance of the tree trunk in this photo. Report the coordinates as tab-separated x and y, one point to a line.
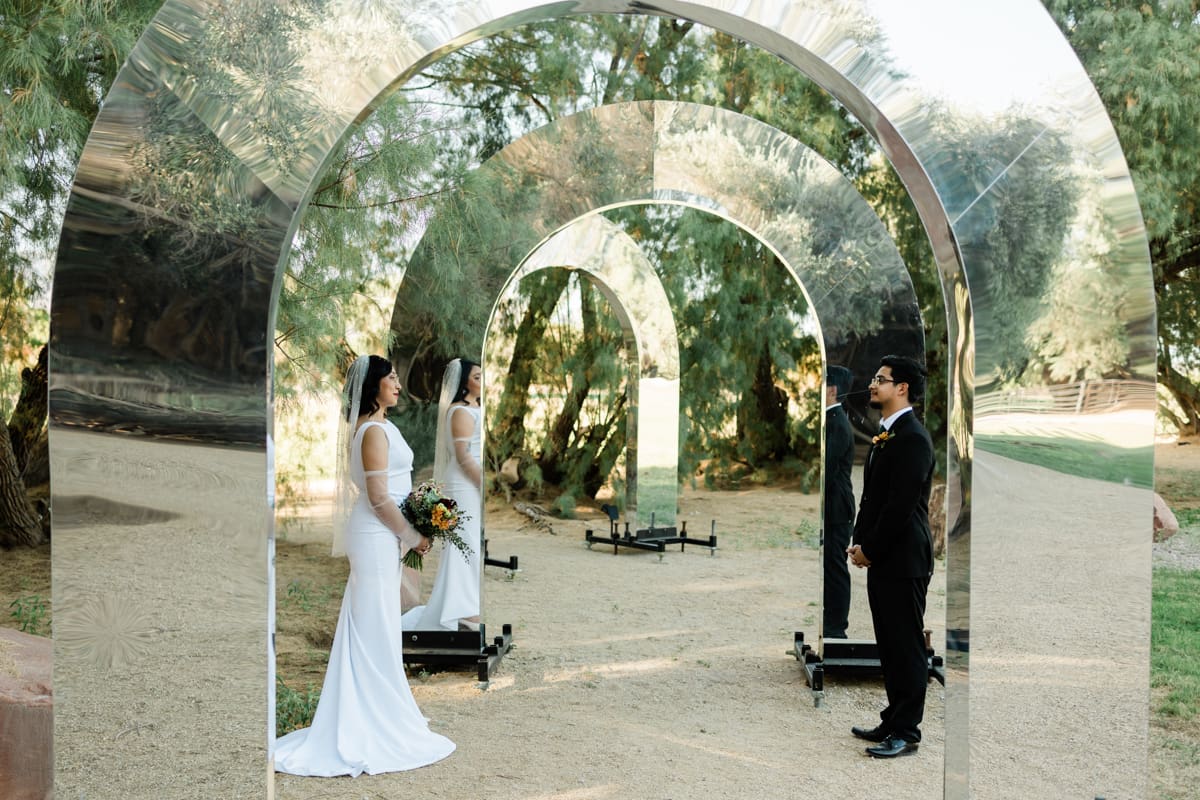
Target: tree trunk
1186	394
554	460
509	438
36	471
610	446
763	415
29	417
19	524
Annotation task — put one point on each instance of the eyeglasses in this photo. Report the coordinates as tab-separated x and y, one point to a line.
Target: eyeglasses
878	379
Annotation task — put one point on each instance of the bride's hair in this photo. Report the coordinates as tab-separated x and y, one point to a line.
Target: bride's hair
378	368
467	366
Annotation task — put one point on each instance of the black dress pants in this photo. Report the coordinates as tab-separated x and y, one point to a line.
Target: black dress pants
836	592
898	614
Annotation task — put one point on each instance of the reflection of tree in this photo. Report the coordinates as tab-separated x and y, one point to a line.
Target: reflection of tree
744	358
574	455
1018	202
471	246
185	232
790	197
1080	333
1131	52
645	59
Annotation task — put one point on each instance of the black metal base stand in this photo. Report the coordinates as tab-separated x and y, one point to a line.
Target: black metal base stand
849	655
458	650
510	564
652	538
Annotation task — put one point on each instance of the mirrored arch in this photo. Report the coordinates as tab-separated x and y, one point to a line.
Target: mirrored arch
823	231
162	316
614	263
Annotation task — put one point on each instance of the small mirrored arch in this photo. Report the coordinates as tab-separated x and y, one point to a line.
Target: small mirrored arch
613	262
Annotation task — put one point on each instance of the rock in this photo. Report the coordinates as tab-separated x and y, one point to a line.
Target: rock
937	518
1165	523
538	516
510	471
26	717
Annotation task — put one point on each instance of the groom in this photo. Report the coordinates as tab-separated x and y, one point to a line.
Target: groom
838	519
892	539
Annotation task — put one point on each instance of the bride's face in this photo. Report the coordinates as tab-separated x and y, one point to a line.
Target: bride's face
475	381
389	390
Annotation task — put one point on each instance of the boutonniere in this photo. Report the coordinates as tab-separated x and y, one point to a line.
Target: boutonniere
881	439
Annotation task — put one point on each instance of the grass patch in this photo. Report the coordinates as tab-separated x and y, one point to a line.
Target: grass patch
564	505
25	590
1175	765
294	710
1175	685
304	596
31	615
1084	458
809	533
1178	485
1187	517
1175	645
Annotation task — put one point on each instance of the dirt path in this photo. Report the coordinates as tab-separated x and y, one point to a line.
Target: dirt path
639	678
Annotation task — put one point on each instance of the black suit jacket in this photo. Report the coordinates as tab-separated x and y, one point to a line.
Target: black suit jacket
893	517
839	460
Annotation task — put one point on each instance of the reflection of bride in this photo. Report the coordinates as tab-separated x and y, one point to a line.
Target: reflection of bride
454	601
367	720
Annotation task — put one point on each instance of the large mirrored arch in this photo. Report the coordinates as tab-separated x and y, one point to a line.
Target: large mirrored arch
824	232
162	317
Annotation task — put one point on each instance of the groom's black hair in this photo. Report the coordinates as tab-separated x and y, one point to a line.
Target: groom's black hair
907	370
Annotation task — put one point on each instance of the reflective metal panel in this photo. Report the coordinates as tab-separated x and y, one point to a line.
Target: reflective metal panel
618	267
184	204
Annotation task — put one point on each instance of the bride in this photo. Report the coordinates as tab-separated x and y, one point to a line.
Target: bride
454	601
366	719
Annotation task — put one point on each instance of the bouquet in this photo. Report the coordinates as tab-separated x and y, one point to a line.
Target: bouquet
435	516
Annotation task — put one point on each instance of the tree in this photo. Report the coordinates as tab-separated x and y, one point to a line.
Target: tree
1141	57
57	59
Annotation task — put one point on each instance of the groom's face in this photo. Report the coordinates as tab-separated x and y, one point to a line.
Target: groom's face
883	388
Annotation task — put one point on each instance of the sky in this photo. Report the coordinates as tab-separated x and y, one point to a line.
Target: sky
989	55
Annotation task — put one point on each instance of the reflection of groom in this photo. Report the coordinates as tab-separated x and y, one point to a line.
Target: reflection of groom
839	503
891	537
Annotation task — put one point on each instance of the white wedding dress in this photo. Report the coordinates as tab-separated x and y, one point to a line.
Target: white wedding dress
455	592
367	720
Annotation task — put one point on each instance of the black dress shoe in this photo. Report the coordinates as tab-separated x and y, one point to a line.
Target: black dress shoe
876	734
891	747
